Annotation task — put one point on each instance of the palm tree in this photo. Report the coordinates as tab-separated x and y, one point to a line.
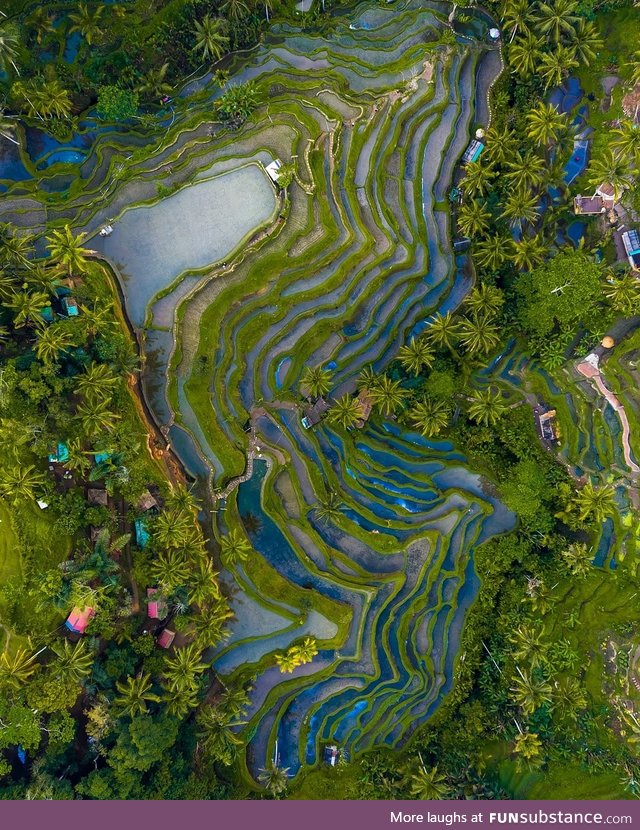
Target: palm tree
578	559
8	46
316	381
211	39
568	698
529	252
530	692
416	355
330	508
493	251
516	16
17	668
430	416
171	569
528	746
180	702
525	54
429	784
42	22
521	206
214	732
473	218
287	661
388	395
557	18
87	22
545	124
554	66
346	411
529	647
74	661
238	102
97	384
479	334
172	529
134	694
627	141
485	299
634	66
500	145
486	406
209	624
96	418
596	503
67	249
27	308
268	7
274	778
624	293
78	459
19	482
587	41
526	170
235	10
478	178
610	167
203	586
368	379
443	330
154	84
16	249
181	671
51	341
235	548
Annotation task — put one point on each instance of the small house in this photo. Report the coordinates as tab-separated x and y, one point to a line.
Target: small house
70	306
157	608
315	413
47	314
142	534
473	151
589	205
78	620
607	192
366	405
331	755
166	638
273	170
147	501
98	497
59	455
631	242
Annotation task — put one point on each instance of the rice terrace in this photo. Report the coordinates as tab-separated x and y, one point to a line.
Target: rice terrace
319	404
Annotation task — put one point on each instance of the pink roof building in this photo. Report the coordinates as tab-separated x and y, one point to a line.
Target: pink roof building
78	620
166	638
156	607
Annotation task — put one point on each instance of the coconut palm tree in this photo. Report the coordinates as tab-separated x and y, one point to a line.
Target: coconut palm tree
521	206
473	218
429	784
19	482
330	508
235	10
16	668
316	381
529	252
98	383
211	38
42	22
528	747
478	334
493	251
87	22
626	142
597	503
15	249
569	698
181	671
624	293
235	548
530	692
203	585
612	168
134	694
634	67
485	299
238	102
545	124
172	529
525	54
500	145
557	18
478	178
430	417
587	41
274	778
516	16
529	646
78	459
368	379
307	650
486	406
9	42
27	308
287	661
388	396
346	412
52	341
578	559
171	569
67	249
209	624
526	170
554	67
180	702
74	662
154	84
96	418
443	330
417	355
215	735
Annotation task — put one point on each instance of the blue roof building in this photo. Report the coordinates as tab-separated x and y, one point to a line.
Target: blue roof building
59	455
473	151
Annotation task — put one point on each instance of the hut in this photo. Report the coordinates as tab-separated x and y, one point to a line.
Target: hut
98	497
70	307
273	170
366	405
59	454
157	608
631	242
473	151
166	638
315	413
79	619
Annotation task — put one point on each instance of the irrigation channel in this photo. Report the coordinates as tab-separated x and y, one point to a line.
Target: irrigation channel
234	288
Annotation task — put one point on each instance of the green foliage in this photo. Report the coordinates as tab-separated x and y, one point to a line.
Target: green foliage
116	103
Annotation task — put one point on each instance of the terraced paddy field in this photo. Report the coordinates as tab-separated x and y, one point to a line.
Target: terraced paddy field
341	270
